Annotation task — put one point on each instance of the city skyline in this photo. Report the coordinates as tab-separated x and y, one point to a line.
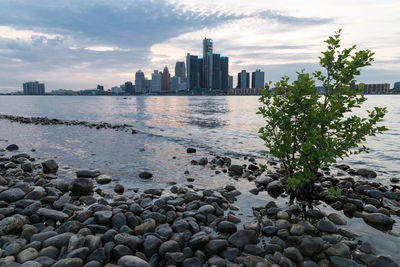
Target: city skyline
78	44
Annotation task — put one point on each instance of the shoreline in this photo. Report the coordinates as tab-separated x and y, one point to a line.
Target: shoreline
82	223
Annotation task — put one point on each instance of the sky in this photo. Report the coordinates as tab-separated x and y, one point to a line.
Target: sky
77	44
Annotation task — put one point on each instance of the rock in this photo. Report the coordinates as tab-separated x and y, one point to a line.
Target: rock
169	246
203	161
394	179
226	227
151	245
103	216
366	173
190	150
50	166
192	262
216	246
236	169
338	250
275	186
69	262
349	208
368	248
119	189
310	246
52	214
347	233
145	175
180	225
374	194
12	147
326	226
337	219
384	260
45	261
206	209
81	187
315	214
31	264
27	255
243	237
80	253
27	166
342	262
198	241
12	194
379	219
293	254
58	240
297	229
10	225
103	179
269	230
147	226
120	250
87	173
131	241
51	252
282	215
254	250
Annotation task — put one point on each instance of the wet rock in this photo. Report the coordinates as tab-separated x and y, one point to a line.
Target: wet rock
366	173
315	214
27	255
374	194
147	226
145	175
338	250
384	260
52	214
368	248
254	249
69	262
132	242
198	241
169	246
236	169
31	264
27	166
347	233
45	261
270	230
81	187
10	225
120	250
342	262
216	246
190	150
326	226
12	147
87	173
243	237
80	253
293	254
12	194
192	262
394	179
50	166
203	161
349	208
337	219
379	219
275	186
297	229
51	252
311	245
151	245
226	227
103	216
206	209
103	179
58	240
119	189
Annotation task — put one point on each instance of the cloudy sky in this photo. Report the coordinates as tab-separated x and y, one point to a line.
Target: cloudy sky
77	44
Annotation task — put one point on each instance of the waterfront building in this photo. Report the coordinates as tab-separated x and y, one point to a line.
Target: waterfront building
100	87
396	86
180	71
192	63
174	82
257	79
207	64
165	80
116	90
243	79
33	88
224	72
155	85
216	72
381	88
140	82
129	88
201	73
230	82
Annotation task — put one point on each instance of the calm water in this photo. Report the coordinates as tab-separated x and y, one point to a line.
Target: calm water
168	125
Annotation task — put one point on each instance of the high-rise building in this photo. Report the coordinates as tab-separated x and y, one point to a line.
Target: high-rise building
165	80
230	82
216	73
180	71
201	73
175	81
140	82
129	88
155	85
396	85
224	72
33	88
257	79
243	79
192	64
208	64
100	87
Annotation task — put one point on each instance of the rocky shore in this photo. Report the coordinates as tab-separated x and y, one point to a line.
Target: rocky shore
49	221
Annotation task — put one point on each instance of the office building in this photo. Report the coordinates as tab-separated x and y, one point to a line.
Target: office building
216	72
155	85
207	64
230	82
174	83
224	72
180	71
33	88
100	87
140	82
243	79
192	63
257	79
201	73
396	85
165	80
129	88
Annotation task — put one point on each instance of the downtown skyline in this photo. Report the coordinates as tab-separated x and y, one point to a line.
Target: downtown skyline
77	44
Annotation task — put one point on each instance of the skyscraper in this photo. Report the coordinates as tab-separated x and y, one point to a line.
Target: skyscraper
192	63
243	79
139	82
230	82
257	79
200	73
216	72
180	71
33	88
165	80
129	88
207	66
155	85
175	81
224	72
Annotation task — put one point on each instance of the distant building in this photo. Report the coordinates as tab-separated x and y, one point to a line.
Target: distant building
230	82
381	88
243	79
396	86
174	83
129	88
33	88
207	64
216	72
116	90
192	64
139	82
257	79
100	87
165	80
224	73
200	71
147	84
180	71
155	84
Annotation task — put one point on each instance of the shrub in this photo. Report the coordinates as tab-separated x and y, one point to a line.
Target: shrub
304	129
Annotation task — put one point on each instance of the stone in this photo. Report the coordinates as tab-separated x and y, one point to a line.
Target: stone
206	209
337	219
10	225
368	248
243	237
80	253
103	179
366	173
180	225
169	246
236	169
174	258
119	189
103	216
58	240
347	233
254	249
297	229
131	241
12	147
338	250
31	264
151	245
52	214
81	187
326	226
384	260
45	261
148	225
120	250
379	219
226	227
192	262
27	255
342	262
282	215
216	246
190	150
310	246
293	254
315	214
198	241
69	262
12	194
87	173
203	161
27	166
394	179
51	252
50	166
145	175
275	186
118	220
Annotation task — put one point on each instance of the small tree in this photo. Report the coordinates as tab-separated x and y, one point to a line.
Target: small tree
305	130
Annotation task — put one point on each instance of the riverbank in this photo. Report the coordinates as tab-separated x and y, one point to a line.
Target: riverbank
93	220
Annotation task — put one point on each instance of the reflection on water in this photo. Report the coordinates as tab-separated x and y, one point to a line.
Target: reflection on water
206	114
